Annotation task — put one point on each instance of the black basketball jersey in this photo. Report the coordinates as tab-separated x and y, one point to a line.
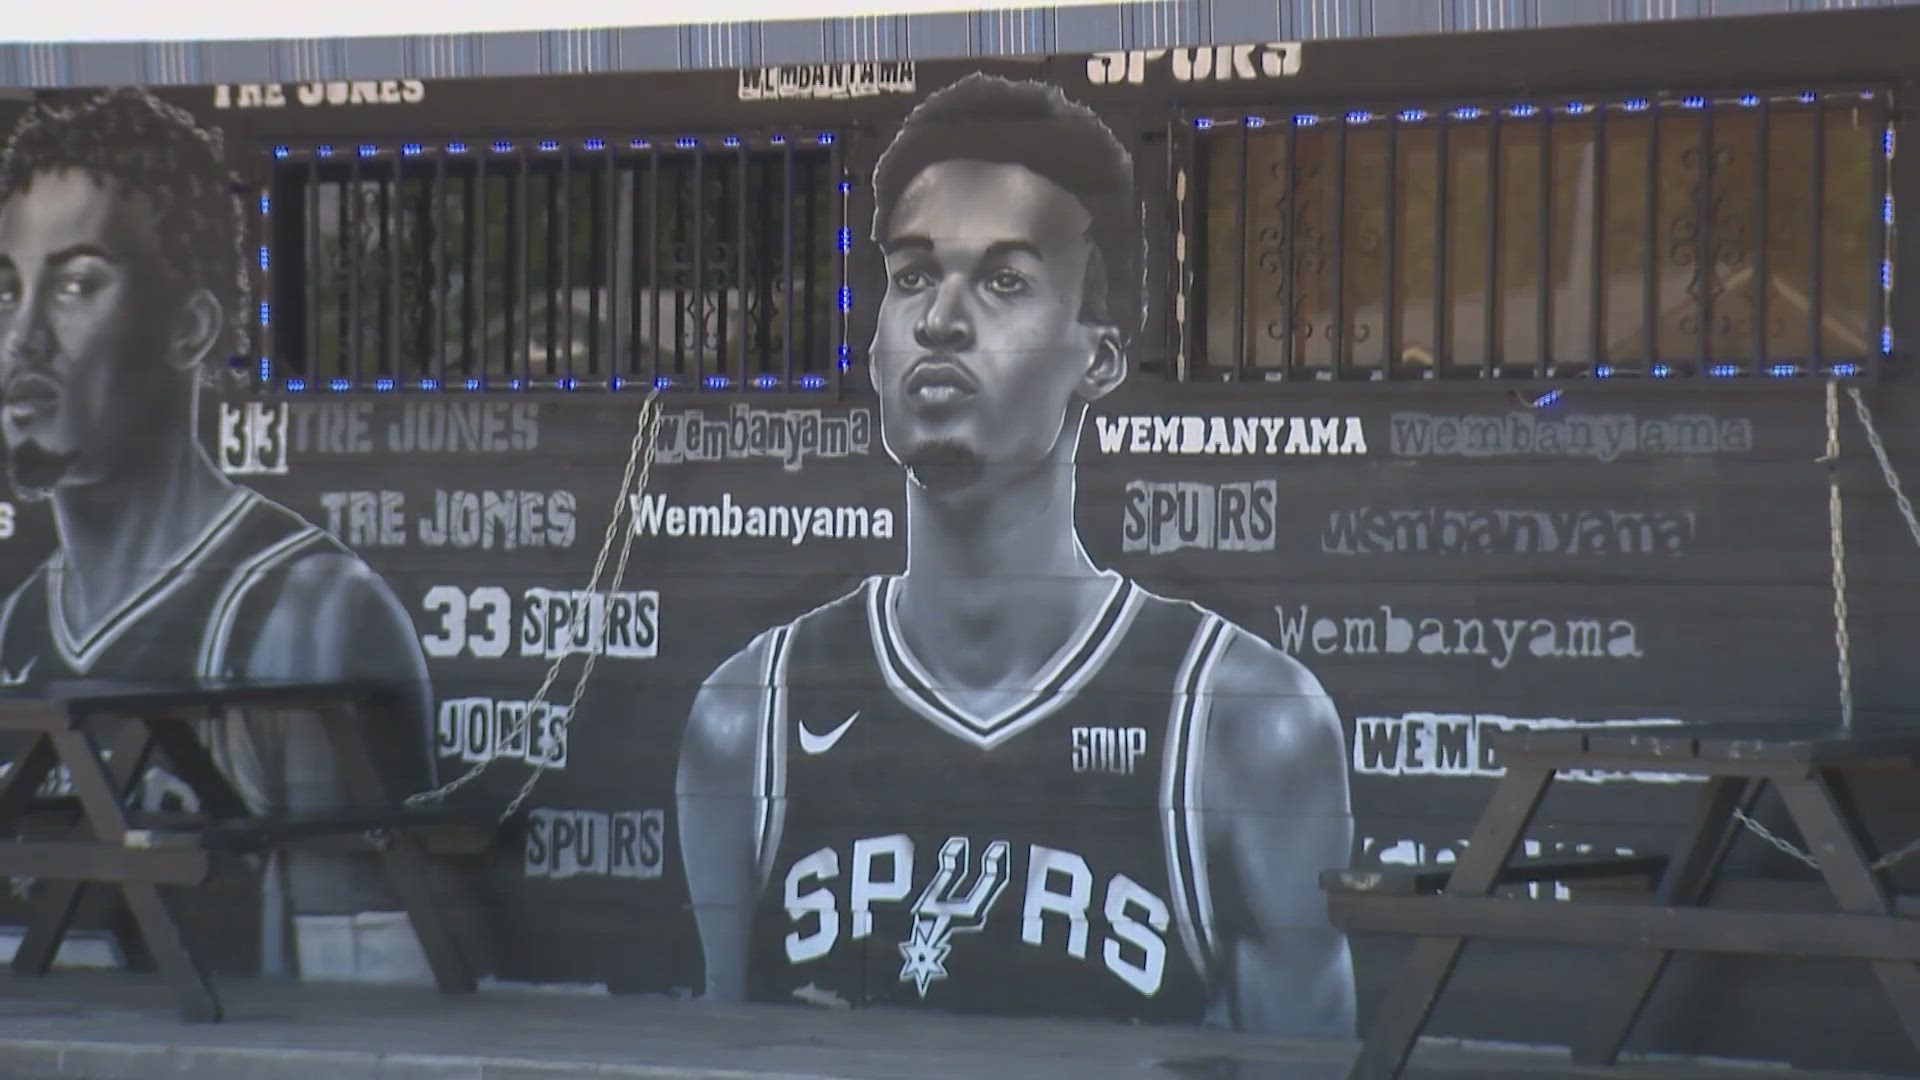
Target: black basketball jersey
1044	857
185	621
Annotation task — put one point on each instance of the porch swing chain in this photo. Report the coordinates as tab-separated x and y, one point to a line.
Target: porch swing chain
639	468
1843	645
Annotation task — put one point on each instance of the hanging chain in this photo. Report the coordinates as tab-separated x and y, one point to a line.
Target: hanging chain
639	467
1842	643
1843	646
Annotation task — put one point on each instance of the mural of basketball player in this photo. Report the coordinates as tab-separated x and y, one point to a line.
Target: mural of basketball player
1007	779
122	286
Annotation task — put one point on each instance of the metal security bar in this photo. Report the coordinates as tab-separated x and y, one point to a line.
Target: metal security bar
1657	236
548	264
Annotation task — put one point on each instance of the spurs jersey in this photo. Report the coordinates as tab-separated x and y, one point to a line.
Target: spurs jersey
184	624
1043	856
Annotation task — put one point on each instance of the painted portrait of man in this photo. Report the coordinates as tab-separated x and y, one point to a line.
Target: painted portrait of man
1007	778
122	288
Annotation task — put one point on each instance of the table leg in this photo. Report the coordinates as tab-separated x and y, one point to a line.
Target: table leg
1685	882
157	926
194	764
408	867
1396	1027
1833	842
53	915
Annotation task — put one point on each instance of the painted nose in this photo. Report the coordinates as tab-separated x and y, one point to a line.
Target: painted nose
30	339
946	327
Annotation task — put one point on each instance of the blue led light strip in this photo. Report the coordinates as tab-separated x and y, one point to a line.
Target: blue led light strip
263	259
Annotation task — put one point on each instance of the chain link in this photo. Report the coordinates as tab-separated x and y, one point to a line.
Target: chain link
640	462
1842	643
1843	646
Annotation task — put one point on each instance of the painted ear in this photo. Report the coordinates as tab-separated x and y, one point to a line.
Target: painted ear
196	331
1108	368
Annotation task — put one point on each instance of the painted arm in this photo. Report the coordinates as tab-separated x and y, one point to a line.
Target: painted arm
715	793
1277	813
332	617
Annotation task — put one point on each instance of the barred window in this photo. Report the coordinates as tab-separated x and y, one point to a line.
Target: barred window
556	264
1658	236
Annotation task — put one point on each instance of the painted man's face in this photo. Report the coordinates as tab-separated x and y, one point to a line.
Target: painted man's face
78	354
979	351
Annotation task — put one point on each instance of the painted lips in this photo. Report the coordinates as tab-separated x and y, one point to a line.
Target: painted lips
936	383
30	397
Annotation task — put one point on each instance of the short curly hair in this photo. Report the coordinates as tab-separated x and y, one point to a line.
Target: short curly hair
159	150
1033	124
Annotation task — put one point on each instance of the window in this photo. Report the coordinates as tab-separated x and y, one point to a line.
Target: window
1660	236
554	264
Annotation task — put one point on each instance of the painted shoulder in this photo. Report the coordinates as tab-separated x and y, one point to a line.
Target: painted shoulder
726	712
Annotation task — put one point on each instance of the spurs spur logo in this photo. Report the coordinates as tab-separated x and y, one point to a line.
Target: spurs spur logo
940	912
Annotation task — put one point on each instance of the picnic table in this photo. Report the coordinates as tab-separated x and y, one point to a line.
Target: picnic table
138	853
1445	906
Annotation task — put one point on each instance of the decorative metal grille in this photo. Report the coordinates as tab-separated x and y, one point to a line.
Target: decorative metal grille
550	264
1654	236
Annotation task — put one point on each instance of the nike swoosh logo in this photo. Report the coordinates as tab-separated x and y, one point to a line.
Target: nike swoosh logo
820	744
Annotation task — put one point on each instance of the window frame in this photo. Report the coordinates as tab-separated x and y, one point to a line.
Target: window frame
1195	126
566	159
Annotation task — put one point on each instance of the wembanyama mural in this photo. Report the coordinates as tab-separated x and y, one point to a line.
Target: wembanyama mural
1003	664
997	673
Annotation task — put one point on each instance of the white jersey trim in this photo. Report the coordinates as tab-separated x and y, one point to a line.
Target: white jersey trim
218	636
1180	794
1050	689
80	651
770	756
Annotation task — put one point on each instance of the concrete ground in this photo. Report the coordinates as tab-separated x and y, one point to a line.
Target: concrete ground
102	1026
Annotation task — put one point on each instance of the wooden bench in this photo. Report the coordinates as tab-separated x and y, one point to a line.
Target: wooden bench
137	852
1444	906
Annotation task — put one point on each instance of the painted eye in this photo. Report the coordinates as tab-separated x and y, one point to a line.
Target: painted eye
1006	283
910	281
78	288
